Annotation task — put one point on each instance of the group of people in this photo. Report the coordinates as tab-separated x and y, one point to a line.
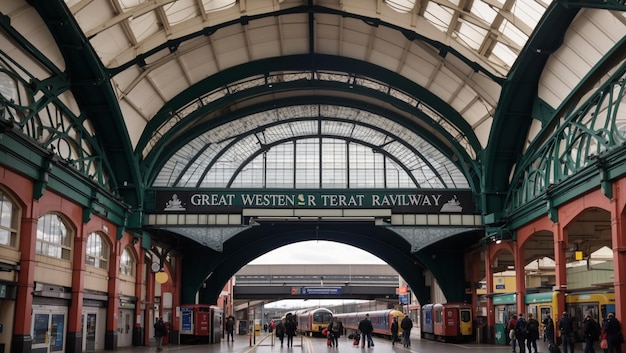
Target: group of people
287	327
525	332
406	325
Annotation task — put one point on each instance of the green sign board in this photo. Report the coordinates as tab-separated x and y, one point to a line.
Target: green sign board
399	201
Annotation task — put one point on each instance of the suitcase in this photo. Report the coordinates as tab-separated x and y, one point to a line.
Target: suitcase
554	349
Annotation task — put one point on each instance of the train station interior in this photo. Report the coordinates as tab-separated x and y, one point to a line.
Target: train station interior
151	149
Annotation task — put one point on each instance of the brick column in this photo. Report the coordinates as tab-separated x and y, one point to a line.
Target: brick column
22	340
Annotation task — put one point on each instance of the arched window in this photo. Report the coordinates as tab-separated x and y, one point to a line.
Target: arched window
9	216
52	237
127	263
97	251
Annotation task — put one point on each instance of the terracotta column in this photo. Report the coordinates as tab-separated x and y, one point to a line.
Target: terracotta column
22	340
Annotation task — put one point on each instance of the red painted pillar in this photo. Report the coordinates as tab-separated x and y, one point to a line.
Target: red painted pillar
560	269
74	320
491	316
25	285
110	336
618	235
520	276
139	279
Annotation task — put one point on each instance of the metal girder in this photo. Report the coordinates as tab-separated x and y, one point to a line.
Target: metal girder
303	63
513	116
91	87
212	237
422	237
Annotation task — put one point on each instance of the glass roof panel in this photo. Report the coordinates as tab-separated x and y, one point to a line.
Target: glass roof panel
472	35
504	53
438	15
180	11
231	147
217	5
513	33
529	11
402	6
483	11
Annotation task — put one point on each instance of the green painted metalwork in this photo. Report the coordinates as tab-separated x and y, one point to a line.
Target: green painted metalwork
110	161
579	142
458	154
512	119
49	173
311	10
265	76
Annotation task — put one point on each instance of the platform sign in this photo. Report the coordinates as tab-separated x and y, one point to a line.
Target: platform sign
186	325
321	290
403	299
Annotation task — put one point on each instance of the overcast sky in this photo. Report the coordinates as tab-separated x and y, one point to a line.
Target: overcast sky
319	253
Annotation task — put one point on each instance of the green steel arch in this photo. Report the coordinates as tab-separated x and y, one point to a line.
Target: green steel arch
464	163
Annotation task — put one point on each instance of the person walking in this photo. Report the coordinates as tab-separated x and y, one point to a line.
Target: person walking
613	331
566	327
548	326
406	325
280	331
510	327
336	327
521	332
230	328
533	334
394	330
366	328
290	330
159	332
589	333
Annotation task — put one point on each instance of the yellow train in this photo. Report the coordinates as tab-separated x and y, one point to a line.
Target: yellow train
313	321
577	304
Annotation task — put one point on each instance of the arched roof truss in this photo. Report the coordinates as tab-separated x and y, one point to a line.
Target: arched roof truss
240	141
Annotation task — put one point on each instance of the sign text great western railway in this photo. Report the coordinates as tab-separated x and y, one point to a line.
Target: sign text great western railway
414	201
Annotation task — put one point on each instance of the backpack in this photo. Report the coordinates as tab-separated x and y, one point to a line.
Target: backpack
533	326
597	330
522	328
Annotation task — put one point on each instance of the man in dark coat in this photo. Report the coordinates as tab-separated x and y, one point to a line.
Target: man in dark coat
566	326
613	328
395	327
533	333
548	325
159	332
406	325
589	335
366	328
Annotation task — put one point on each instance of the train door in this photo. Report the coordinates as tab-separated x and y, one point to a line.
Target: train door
48	328
465	321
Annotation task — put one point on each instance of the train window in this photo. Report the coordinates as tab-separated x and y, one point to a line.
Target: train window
466	316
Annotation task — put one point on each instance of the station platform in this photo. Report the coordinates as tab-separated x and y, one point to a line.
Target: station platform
266	343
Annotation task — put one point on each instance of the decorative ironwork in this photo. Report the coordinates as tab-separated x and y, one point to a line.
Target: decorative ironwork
593	128
40	109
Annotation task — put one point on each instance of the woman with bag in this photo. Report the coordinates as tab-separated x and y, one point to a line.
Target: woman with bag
511	330
613	331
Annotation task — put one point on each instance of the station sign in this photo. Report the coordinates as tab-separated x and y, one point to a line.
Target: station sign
425	201
321	290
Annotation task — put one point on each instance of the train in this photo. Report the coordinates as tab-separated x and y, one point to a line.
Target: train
313	321
201	323
381	321
447	322
577	304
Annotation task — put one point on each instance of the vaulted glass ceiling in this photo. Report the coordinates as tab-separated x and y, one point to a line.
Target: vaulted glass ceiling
310	146
457	50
